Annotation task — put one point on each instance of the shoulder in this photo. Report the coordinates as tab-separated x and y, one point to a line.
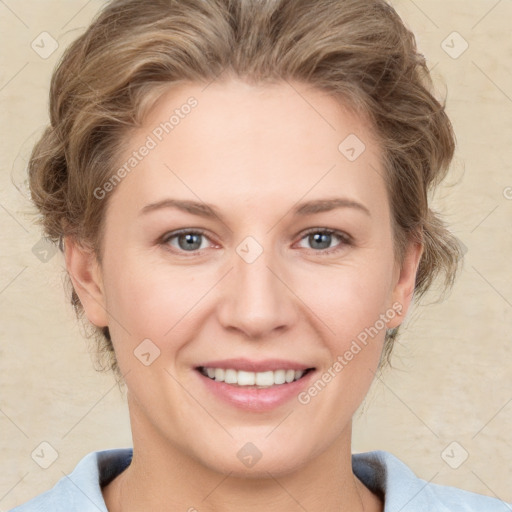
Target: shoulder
81	489
402	490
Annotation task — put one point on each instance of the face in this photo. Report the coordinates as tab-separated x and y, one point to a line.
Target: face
256	228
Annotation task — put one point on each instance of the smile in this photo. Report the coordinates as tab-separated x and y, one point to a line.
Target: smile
253	379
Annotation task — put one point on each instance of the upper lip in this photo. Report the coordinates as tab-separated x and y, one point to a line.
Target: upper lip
255	366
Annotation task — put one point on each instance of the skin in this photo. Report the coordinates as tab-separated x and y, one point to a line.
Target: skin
253	152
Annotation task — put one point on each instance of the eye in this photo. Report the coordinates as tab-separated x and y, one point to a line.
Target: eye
321	240
185	240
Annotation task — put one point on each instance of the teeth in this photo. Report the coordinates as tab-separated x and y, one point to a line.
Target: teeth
230	377
280	376
244	378
265	378
260	379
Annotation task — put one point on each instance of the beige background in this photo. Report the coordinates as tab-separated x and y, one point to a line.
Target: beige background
453	366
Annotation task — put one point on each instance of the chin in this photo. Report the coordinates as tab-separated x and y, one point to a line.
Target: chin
250	462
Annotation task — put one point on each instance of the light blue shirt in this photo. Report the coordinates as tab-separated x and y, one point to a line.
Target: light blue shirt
380	471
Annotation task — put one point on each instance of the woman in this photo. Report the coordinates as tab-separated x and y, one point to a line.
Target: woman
240	190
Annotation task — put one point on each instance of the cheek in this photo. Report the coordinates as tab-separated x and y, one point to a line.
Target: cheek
352	302
348	299
349	302
140	299
149	299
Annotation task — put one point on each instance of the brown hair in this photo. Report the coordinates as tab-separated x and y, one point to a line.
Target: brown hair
359	51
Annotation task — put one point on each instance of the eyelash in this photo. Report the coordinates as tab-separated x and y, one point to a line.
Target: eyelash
345	240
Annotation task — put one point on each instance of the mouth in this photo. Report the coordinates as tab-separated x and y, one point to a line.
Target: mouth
257	386
254	380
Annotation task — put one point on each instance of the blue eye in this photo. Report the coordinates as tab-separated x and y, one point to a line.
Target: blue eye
321	239
187	241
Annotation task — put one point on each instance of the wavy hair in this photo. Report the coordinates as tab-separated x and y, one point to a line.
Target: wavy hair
359	51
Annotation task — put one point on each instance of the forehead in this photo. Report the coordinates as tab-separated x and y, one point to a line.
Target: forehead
257	144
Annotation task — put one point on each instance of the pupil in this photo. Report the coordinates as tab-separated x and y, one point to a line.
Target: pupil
191	241
323	239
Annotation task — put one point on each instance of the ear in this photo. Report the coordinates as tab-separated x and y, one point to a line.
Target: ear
85	273
405	278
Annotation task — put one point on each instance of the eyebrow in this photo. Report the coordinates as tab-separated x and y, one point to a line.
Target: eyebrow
209	211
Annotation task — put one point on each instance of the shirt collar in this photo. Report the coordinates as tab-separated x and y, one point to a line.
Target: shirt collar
381	472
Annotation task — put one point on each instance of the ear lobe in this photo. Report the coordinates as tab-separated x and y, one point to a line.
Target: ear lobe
85	274
404	286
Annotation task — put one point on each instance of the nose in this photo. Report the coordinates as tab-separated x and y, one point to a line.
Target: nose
256	299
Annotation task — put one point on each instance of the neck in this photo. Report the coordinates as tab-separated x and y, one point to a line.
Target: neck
164	476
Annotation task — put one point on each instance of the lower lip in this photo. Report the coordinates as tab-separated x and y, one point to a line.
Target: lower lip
256	399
